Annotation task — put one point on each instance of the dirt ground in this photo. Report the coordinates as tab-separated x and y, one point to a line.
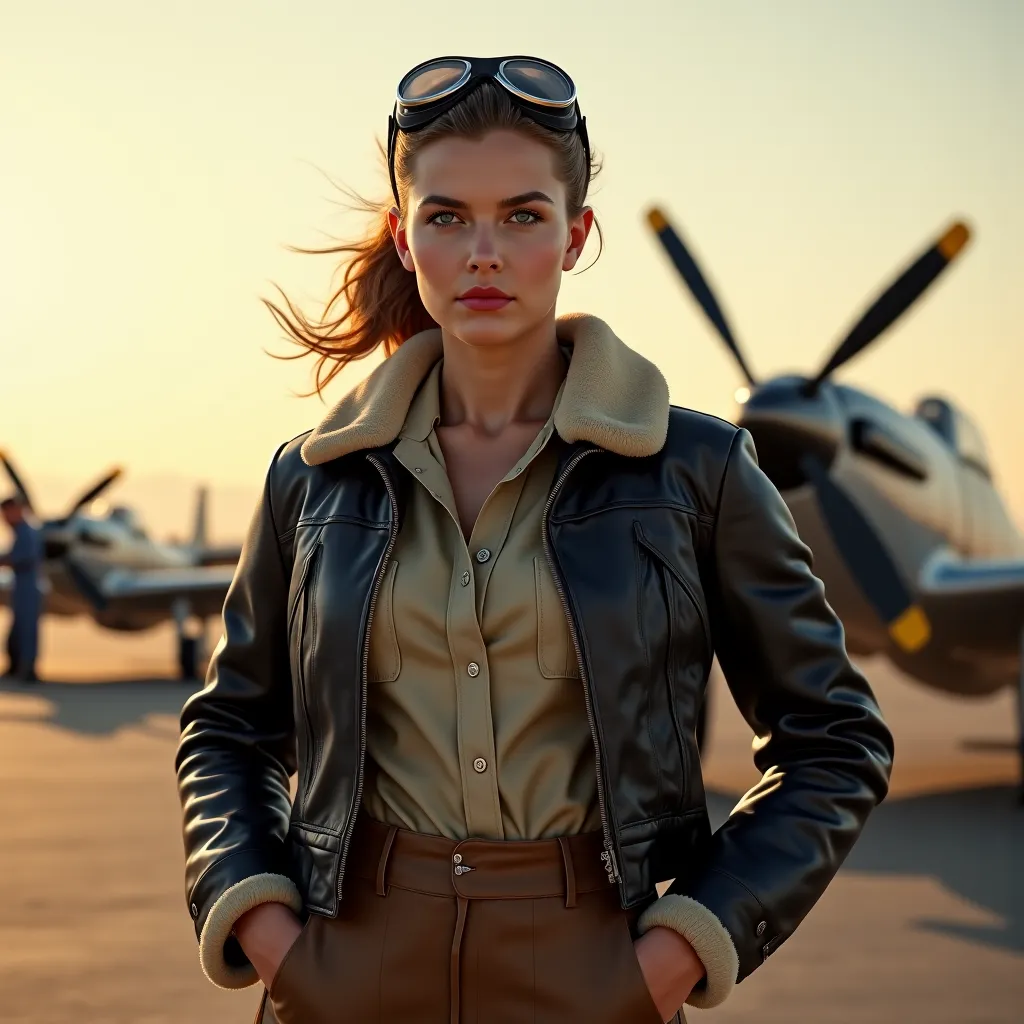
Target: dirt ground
925	923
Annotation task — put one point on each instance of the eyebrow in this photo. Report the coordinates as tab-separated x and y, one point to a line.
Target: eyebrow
457	204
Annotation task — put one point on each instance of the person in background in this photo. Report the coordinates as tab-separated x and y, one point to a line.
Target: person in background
25	558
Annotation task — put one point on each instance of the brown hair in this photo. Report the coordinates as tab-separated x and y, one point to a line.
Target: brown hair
377	302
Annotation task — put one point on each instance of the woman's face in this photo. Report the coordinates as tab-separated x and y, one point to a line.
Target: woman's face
488	215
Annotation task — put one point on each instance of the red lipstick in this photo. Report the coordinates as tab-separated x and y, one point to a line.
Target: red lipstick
484	298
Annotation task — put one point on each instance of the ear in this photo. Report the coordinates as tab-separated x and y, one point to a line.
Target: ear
579	232
399	236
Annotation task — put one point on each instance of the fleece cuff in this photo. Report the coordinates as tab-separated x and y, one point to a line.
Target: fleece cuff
230	906
709	938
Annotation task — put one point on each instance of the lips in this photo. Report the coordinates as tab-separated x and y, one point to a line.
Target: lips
484	299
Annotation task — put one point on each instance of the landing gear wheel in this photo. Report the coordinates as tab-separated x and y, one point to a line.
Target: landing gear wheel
188	658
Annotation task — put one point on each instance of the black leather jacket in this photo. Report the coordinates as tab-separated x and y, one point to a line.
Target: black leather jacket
662	562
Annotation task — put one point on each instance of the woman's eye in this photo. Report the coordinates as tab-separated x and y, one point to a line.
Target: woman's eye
525	217
443	218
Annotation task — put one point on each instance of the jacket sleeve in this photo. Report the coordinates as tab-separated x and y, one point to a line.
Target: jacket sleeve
236	754
824	752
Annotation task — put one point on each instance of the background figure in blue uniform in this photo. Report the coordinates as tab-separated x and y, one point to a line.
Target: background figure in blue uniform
26	560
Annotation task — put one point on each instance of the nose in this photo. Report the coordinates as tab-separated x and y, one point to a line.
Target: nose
483	253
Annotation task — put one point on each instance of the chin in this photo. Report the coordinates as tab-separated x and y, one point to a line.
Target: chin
486	329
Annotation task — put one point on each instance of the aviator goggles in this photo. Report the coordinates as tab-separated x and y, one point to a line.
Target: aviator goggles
542	91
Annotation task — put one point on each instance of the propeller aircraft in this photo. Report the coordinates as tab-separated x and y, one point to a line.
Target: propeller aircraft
106	566
918	553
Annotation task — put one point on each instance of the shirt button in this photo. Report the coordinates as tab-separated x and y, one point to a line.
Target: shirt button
464	578
761	928
417	470
483	554
195	910
473	669
480	765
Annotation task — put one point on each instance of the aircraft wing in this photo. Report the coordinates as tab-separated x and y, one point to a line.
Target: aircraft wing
155	591
227	554
982	599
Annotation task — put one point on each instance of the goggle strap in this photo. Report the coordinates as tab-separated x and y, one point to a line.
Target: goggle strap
581	127
392	142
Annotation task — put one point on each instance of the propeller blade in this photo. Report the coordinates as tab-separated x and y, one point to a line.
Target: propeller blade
897	298
699	288
868	561
94	492
19	484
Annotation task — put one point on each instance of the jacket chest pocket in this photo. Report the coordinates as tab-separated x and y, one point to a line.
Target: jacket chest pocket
302	620
385	658
686	627
303	637
678	649
556	653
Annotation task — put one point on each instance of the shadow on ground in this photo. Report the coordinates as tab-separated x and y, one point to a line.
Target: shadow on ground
99	708
971	841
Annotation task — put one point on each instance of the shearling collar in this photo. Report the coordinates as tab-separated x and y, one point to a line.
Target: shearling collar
612	397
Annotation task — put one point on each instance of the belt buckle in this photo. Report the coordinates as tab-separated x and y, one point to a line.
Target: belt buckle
460	868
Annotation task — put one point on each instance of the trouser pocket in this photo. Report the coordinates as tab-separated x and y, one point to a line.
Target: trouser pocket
336	966
639	995
288	987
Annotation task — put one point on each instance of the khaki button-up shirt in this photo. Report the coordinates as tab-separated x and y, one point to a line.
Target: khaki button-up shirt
476	722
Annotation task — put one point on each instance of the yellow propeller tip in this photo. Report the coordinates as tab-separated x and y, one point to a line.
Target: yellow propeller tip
657	219
954	240
911	629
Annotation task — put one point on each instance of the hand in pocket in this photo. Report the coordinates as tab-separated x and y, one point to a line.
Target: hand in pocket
670	968
266	934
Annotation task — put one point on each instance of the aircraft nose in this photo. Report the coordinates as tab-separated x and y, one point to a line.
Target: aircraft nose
56	540
788	424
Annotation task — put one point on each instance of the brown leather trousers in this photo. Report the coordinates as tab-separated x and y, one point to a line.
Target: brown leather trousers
433	931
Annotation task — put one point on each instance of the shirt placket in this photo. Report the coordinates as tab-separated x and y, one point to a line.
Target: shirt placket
472	567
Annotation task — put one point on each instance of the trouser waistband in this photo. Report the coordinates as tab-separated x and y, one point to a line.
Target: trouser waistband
477	869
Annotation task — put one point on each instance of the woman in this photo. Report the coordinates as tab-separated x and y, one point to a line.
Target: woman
476	612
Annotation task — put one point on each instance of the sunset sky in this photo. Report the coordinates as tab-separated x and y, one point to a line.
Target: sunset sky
158	158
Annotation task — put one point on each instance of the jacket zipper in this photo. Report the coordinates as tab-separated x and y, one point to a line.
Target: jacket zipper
306	584
381	570
608	856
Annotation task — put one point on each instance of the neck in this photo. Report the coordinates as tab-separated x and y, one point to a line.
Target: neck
487	388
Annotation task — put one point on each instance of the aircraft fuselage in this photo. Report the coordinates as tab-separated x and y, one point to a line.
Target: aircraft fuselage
923	496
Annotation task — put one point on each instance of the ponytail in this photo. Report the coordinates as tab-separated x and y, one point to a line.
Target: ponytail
377	303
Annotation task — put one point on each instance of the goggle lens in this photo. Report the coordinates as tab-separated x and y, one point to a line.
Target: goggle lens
539	82
432	82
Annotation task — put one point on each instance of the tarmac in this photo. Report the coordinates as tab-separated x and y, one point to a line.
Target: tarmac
924	923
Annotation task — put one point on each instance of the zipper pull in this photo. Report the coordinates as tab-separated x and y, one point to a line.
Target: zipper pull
611	865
